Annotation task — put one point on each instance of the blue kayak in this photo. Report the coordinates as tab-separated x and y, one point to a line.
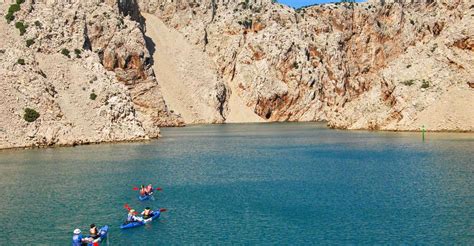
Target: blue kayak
146	197
155	215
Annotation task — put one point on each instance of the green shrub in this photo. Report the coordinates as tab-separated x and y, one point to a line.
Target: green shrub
408	82
30	115
425	84
20	61
21	26
92	96
20	1
14	8
78	53
30	42
9	17
22	31
65	52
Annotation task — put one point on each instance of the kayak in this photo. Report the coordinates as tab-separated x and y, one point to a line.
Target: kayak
145	197
155	215
103	231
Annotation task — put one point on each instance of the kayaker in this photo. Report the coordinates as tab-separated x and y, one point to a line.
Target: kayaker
149	190
78	239
142	190
147	213
94	232
132	218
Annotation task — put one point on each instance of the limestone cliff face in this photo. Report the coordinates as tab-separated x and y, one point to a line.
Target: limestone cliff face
90	71
85	68
390	65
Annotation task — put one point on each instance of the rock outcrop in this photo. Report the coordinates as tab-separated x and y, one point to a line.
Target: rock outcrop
381	65
75	72
85	68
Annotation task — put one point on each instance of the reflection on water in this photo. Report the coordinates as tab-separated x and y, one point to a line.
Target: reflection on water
250	183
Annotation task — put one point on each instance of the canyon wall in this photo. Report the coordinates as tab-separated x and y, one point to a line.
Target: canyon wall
75	72
84	67
389	65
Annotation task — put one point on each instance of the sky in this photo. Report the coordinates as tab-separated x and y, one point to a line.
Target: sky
301	3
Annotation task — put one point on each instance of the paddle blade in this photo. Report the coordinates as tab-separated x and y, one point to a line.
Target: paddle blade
129	208
163	210
159	189
135	188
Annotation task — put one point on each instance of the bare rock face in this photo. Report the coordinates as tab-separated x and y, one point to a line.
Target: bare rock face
90	72
188	78
379	65
84	67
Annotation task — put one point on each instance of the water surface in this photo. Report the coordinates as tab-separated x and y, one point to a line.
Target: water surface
250	183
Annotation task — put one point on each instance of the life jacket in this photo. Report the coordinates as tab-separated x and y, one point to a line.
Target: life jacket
130	218
77	240
94	233
147	214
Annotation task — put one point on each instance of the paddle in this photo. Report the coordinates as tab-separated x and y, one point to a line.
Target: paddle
128	208
136	188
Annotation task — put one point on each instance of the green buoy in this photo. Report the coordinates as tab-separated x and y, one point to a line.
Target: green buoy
423	130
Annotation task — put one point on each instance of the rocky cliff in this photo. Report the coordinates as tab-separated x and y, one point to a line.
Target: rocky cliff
75	72
389	65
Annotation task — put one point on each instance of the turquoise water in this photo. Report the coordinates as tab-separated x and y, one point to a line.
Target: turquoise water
251	184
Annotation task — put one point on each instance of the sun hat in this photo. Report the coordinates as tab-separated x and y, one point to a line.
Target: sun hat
77	231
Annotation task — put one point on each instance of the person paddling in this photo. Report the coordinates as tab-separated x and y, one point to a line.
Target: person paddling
131	217
78	239
142	190
94	232
147	213
149	190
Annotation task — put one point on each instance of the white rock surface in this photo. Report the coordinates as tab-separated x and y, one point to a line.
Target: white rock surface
347	64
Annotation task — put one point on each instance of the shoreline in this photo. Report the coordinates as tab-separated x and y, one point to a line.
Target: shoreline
54	146
233	123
